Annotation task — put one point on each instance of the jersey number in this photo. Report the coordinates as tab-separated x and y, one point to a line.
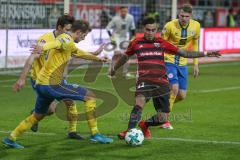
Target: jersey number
141	85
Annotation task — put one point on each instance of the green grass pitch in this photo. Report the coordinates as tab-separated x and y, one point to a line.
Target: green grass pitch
206	124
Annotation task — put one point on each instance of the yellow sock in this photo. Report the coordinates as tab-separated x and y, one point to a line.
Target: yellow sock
22	127
90	115
177	100
72	117
172	100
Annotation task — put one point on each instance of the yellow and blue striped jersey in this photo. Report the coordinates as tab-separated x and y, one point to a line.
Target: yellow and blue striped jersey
61	50
38	62
183	37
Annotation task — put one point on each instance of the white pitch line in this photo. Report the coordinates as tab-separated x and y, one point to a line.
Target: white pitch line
153	138
193	91
217	64
216	90
196	140
8	80
9	86
32	133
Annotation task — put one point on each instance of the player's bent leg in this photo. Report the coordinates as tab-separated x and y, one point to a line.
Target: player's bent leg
90	105
173	77
183	78
50	111
145	129
20	129
72	117
181	95
162	107
79	93
173	94
34	127
24	125
116	56
135	115
52	108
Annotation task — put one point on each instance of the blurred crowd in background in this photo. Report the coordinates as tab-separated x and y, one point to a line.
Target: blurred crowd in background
37	14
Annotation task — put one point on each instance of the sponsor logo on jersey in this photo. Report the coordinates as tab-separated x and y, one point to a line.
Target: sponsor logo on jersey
170	75
151	53
157	45
192	33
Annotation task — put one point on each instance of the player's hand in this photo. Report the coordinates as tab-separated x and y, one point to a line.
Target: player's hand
99	50
111	73
195	71
18	85
132	38
104	59
113	41
36	49
213	54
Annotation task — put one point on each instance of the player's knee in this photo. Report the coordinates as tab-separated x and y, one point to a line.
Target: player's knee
51	111
140	101
68	102
181	96
90	101
89	96
38	116
117	55
174	89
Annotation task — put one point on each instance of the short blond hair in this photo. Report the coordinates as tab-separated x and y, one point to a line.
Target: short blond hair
187	8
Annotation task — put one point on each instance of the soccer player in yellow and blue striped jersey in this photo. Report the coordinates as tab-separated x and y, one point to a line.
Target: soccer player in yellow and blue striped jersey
35	62
184	33
49	85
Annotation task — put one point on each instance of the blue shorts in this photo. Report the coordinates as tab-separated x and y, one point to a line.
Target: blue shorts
33	82
177	75
48	93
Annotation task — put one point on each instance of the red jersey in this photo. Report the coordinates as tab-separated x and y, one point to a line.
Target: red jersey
150	55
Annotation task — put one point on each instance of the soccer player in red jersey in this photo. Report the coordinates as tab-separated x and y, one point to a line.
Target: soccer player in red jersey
152	79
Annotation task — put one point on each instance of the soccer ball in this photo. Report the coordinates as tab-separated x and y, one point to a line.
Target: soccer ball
134	137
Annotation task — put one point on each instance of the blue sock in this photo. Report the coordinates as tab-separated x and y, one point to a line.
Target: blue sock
154	121
135	116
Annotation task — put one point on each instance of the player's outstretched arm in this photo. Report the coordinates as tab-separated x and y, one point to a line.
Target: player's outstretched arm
77	53
22	78
118	64
38	49
99	50
195	47
194	54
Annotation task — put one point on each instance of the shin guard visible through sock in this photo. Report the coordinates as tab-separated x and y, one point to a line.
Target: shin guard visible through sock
22	127
72	118
172	100
90	115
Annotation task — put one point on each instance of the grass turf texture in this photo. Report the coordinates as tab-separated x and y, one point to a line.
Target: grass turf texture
205	123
